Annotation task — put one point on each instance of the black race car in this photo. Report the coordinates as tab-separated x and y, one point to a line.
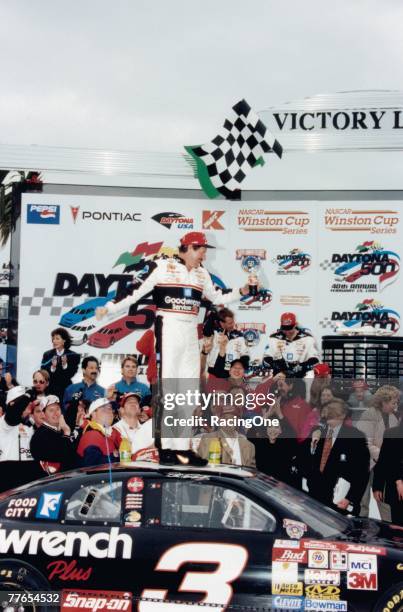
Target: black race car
148	538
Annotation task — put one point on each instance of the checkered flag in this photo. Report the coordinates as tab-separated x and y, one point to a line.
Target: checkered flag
221	165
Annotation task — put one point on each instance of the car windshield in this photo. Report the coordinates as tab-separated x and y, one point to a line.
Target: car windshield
323	520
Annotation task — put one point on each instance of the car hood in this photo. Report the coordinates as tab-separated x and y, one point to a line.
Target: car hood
371	531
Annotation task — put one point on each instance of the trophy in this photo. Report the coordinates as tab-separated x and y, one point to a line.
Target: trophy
251	265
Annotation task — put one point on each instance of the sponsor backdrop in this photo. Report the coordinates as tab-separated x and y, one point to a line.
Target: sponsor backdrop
337	266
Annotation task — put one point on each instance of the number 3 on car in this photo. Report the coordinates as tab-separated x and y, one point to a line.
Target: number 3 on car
231	560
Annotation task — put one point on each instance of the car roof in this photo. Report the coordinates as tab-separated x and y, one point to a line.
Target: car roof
137	467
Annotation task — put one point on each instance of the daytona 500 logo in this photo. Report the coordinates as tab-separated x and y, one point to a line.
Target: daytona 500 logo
370	268
368	312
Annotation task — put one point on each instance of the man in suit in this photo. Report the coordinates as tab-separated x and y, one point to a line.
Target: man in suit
335	452
388	473
235	447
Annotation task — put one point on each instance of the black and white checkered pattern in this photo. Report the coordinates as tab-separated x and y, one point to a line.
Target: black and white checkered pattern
237	148
39	301
327	323
328	265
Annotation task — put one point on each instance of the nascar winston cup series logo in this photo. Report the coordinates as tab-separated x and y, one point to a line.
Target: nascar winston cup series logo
370	268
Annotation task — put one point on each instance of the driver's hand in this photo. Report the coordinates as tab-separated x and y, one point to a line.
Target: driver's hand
100	312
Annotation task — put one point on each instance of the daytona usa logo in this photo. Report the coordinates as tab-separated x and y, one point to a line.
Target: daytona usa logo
101	545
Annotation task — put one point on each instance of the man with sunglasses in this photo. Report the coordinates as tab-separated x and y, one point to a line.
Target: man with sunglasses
178	285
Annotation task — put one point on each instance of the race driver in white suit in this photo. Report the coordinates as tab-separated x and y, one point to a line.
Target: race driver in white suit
178	284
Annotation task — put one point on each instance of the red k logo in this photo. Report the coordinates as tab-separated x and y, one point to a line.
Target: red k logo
74	212
210	219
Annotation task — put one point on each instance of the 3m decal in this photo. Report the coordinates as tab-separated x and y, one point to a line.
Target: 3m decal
49	506
216	585
362	581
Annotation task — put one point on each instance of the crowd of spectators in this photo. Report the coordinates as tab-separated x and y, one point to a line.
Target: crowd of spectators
339	442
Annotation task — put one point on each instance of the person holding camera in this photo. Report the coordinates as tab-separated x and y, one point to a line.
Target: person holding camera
226	344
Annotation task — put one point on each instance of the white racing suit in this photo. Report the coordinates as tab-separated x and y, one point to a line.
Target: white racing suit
177	293
295	358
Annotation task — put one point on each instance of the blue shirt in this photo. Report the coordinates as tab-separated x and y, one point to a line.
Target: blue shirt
135	387
82	391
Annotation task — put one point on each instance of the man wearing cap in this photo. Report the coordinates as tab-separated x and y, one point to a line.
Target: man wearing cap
129	426
97	446
16	463
178	285
52	444
291	349
359	400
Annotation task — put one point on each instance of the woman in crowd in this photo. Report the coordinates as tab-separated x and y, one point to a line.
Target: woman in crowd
324	396
61	362
373	423
276	452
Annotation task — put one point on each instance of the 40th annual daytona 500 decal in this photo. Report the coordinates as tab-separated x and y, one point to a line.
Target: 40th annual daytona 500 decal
146	537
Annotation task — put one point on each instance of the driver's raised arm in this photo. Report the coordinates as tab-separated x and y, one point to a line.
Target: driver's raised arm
146	287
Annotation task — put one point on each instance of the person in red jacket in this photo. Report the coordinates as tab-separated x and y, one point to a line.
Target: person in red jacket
291	392
97	446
